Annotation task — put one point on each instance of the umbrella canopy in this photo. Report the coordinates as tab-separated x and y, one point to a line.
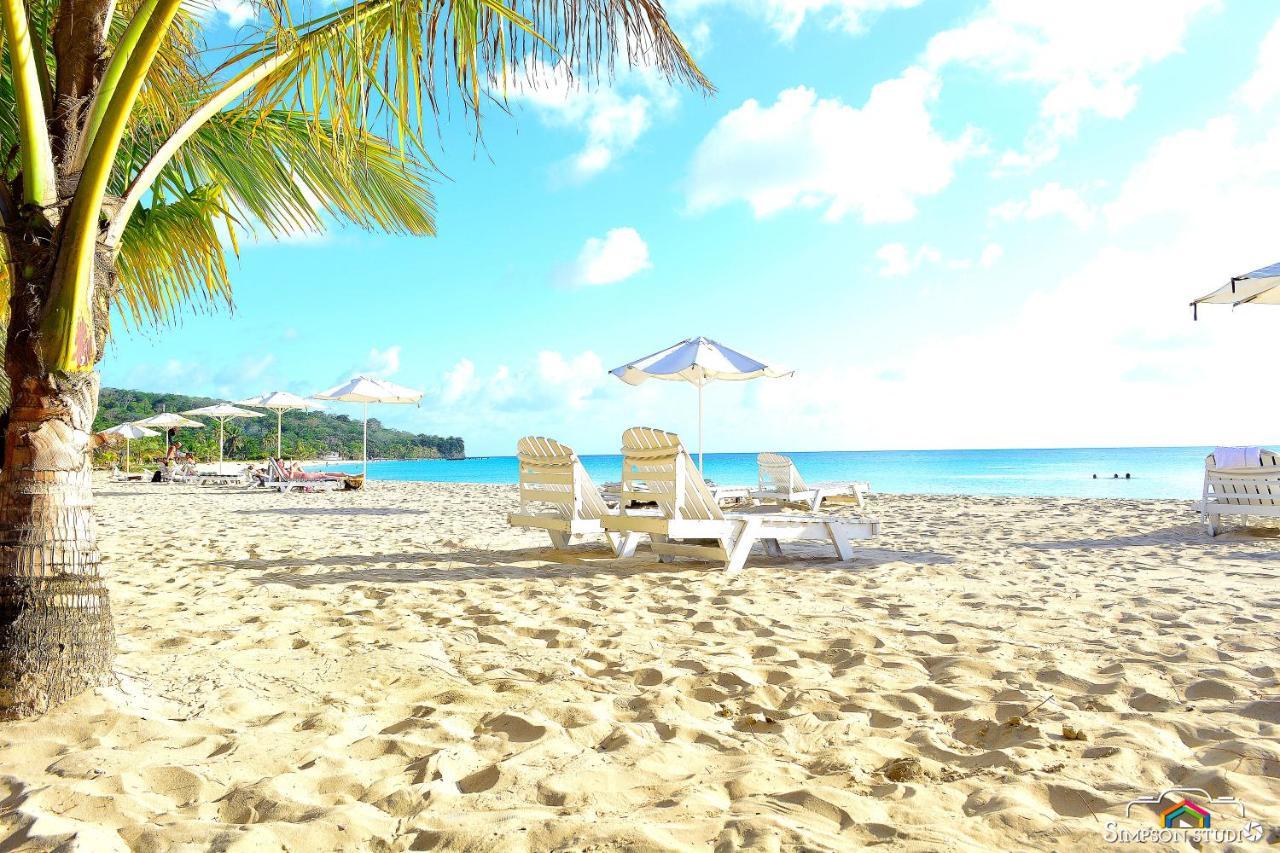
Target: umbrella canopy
129	432
366	390
697	361
1260	287
222	412
167	421
278	402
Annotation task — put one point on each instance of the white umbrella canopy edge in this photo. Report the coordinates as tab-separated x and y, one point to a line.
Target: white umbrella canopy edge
698	361
167	421
129	431
221	412
279	402
366	390
1260	287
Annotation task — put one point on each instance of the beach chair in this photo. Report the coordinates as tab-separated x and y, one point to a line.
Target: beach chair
118	476
780	482
656	467
1250	486
552	474
278	477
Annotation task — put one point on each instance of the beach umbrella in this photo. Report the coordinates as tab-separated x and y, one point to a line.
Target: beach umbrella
1260	287
129	432
278	402
167	421
697	361
222	412
366	390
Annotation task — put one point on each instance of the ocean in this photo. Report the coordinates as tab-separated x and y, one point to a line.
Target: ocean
1155	472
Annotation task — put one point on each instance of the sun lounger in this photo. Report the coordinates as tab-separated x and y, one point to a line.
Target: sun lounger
552	475
118	476
655	466
1248	490
780	482
280	477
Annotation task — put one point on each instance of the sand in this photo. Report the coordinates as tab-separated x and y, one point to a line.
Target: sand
395	669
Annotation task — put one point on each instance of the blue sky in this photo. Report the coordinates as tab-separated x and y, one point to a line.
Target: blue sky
964	224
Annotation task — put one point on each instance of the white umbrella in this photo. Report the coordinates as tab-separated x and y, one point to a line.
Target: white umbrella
167	421
1260	287
222	412
697	361
129	432
366	389
278	402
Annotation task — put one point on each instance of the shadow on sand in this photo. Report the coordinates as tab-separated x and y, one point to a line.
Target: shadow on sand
468	564
333	510
1180	534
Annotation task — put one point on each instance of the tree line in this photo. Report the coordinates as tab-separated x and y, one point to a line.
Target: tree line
305	434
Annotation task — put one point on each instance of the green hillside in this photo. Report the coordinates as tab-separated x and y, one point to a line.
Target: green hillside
307	434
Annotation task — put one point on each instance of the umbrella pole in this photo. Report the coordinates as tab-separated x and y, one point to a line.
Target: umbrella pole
279	445
701	470
365	469
221	423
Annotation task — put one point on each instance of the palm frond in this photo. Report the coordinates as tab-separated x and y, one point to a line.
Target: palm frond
289	172
386	65
172	256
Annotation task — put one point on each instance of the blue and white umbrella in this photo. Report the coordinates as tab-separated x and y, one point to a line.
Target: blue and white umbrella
1260	287
697	361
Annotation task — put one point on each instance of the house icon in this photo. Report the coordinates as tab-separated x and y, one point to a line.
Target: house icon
1185	815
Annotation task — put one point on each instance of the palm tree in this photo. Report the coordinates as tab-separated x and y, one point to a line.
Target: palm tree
134	152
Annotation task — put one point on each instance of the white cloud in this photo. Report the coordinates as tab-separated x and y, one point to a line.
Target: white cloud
384	362
806	151
612	115
458	381
236	13
1052	199
617	256
1210	168
787	16
1260	89
1106	353
1084	55
991	255
898	260
552	382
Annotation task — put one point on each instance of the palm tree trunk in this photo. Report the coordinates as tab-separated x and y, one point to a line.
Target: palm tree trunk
56	636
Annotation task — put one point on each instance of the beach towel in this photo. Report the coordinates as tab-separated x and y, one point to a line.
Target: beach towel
1237	457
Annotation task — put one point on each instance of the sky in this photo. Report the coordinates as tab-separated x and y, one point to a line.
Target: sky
963	223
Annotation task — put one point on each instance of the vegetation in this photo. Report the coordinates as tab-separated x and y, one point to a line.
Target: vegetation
305	434
130	150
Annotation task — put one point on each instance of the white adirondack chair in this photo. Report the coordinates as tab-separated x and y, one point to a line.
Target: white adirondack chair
780	482
552	474
656	467
1240	491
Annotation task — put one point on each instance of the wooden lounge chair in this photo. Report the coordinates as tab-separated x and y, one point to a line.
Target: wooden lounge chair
780	482
552	474
1251	490
279	477
655	466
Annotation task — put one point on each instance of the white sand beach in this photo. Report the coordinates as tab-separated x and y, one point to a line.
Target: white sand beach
395	669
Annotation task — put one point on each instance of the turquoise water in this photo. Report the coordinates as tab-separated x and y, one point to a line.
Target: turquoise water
1157	472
